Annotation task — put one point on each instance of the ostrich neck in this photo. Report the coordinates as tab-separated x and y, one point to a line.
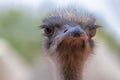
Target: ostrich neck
71	67
68	67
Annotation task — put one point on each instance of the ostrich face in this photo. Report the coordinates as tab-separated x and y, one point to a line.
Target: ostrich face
72	29
68	42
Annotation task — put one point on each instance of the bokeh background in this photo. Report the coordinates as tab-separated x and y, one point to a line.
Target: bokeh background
21	37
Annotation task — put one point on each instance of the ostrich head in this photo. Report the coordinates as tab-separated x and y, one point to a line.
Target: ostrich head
68	41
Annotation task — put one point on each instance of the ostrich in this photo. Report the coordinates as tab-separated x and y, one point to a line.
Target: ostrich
68	42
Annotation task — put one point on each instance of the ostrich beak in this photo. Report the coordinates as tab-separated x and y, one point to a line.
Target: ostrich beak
76	32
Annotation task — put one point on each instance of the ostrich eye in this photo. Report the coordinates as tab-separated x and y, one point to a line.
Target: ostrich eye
47	30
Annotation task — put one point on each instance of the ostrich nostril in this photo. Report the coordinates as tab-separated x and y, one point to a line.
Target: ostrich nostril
66	30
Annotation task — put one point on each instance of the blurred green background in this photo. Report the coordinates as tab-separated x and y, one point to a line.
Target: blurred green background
21	29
